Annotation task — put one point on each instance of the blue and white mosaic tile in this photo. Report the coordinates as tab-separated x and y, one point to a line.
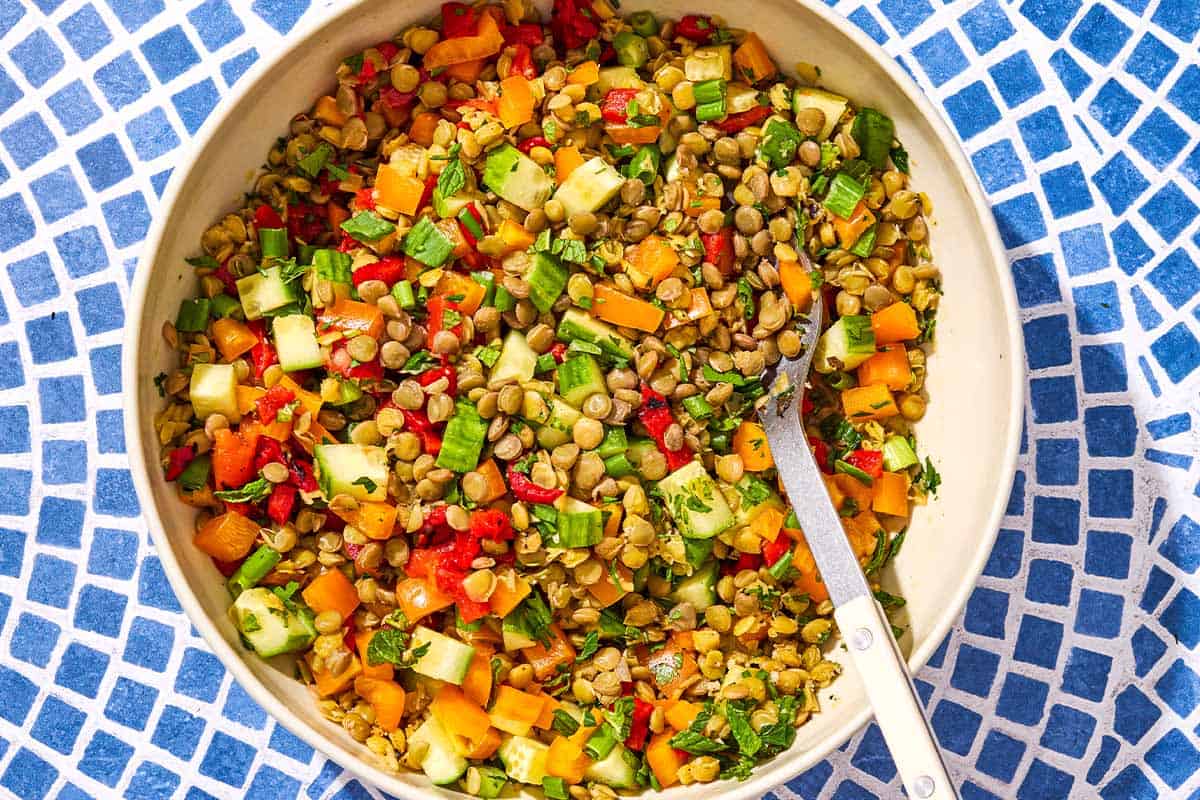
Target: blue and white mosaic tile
1073	671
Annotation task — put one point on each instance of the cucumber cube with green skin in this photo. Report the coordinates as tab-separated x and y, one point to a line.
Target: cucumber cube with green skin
517	360
213	390
358	470
517	178
547	279
754	495
558	426
578	325
265	291
269	626
442	761
847	343
579	524
695	502
618	78
524	759
296	342
617	770
446	659
740	98
492	781
589	187
830	104
713	62
699	588
579	377
898	454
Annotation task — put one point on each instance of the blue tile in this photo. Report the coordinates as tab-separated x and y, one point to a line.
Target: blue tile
1000	756
128	218
1178	17
113	553
1177	351
1129	784
38	58
1020	220
1066	190
1147	315
1179	688
227	760
904	16
51	581
1038	641
1110	493
100	611
130	703
73	107
57	194
170	54
1044	782
1169	211
1107	554
1185	94
32	280
1147	649
122	81
1097	308
998	166
271	784
1036	281
1022	699
159	181
1150	61
1121	183
1158	583
105	758
14	491
148	644
1190	166
955	726
1181	618
986	609
115	494
10	93
60	522
1049	582
133	14
64	462
153	589
216	23
1110	430
1047	341
81	669
1051	17
974	670
1173	758
234	68
1113	106
28	140
27	776
1044	133
1053	399
1016	79
1005	559
282	15
1084	249
866	22
86	32
1100	35
1182	545
1068	731
199	675
940	57
986	26
1075	79
1134	714
17	694
104	163
1099	614
34	639
1055	520
1177	278
1159	139
11	374
106	368
287	743
12	552
82	251
1016	497
195	103
1169	426
972	110
18	225
151	782
178	732
110	431
152	134
100	309
50	340
57	725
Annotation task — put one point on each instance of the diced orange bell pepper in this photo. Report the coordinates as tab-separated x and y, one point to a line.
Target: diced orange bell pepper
462	717
852	487
470	290
549	705
848	230
515	104
545	661
328	112
891	494
663	759
384	671
232	338
753	60
515	711
510	590
227	537
386	699
497	488
680	713
419	598
767	523
797	284
279	431
401	193
698	309
351	315
567	159
750	442
874	401
329	685
309	401
467	71
807	580
699	205
247	397
477	685
233	458
566	760
672	667
889	366
331	591
422	128
606	591
585	74
614	306
629	134
514	236
651	261
376	520
896	323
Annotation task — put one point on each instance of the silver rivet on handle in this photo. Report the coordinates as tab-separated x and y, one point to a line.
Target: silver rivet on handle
923	787
861	639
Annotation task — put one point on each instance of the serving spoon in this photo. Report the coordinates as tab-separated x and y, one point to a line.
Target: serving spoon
860	618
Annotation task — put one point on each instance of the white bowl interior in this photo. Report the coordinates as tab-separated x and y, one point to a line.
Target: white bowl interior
970	430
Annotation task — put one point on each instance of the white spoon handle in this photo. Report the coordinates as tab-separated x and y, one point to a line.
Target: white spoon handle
894	699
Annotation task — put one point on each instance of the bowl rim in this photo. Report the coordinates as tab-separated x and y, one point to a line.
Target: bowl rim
765	777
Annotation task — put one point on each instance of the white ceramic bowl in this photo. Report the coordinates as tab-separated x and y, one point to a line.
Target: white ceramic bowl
975	374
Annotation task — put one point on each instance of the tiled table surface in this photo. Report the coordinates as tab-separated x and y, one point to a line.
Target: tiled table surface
1073	672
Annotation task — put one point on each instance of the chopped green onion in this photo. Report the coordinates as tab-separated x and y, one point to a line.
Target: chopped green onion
898	454
195	475
426	243
844	195
614	442
545	363
854	472
554	787
708	112
488	281
504	300
710	91
403	292
618	466
866	243
224	306
332	265
644	165
697	406
632	50
841	381
819	184
274	242
780	142
873	131
314	162
367	226
779	569
470	223
193	315
253	570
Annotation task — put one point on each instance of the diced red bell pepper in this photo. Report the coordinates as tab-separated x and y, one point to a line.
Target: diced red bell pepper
435	322
820	454
869	461
427	193
177	461
388	50
525	489
341	362
266	451
279	507
522	62
525	145
696	27
613	106
421	563
573	24
559	351
458	20
418	423
736	122
223	274
446	371
656	415
262	355
718	249
307	221
397	99
489	523
365	198
748	561
270	403
227	568
267	217
806	405
773	551
639	725
389	269
530	34
302	475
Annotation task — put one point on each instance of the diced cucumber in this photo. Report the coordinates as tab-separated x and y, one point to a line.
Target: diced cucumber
517	178
830	104
524	759
557	428
347	391
517	360
269	626
846	344
898	454
695	503
740	98
671	169
515	638
296	342
618	769
359	470
589	187
713	62
492	781
577	325
753	496
446	660
213	390
463	439
547	279
265	291
618	78
615	443
442	762
579	524
579	377
699	588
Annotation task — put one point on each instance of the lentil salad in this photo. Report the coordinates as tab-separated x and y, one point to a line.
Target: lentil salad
466	399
